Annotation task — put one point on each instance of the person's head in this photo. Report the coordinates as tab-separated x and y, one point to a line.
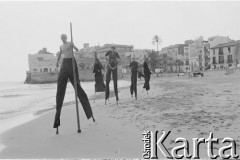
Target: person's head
113	48
64	37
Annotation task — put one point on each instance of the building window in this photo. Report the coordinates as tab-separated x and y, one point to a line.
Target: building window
34	70
229	49
40	59
220	51
229	59
45	70
221	59
41	70
214	60
213	51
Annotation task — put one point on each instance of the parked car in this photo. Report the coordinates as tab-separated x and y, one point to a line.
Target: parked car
198	73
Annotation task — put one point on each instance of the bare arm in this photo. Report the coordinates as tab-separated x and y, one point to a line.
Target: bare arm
59	58
74	47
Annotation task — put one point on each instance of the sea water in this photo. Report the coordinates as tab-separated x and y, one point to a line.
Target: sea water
21	101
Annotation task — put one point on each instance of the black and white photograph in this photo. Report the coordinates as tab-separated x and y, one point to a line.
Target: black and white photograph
120	79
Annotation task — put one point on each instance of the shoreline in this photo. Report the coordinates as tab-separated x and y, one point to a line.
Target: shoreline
11	122
187	106
39	115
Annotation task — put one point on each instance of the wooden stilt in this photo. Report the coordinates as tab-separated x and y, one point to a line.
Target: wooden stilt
93	118
75	82
57	131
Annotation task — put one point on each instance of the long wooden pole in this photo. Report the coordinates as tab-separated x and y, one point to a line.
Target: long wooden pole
75	83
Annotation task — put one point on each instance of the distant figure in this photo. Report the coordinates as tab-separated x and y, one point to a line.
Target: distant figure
97	69
66	72
134	70
112	57
147	74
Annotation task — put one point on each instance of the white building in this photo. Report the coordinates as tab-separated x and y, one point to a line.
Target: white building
223	56
43	61
138	54
186	59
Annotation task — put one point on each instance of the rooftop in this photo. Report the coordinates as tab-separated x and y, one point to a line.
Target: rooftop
232	43
173	46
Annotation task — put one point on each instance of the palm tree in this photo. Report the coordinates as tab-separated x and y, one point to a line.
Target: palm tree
153	59
157	40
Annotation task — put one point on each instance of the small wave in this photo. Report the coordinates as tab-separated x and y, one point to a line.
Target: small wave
11	95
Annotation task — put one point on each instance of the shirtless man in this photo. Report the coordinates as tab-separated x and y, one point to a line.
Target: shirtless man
66	72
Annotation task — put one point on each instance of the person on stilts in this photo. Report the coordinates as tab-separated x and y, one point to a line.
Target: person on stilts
66	72
147	74
134	70
113	58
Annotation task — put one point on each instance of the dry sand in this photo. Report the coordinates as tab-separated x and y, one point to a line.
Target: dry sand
189	107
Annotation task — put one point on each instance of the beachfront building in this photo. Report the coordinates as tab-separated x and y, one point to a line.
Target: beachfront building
238	53
85	56
86	51
224	55
196	54
43	61
199	54
175	60
186	59
186	56
121	49
137	54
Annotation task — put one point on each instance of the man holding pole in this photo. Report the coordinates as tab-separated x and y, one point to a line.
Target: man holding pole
67	72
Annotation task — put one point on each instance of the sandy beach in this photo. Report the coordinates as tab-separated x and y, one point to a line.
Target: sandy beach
188	107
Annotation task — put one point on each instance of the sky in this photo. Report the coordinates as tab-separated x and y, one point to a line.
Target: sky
27	27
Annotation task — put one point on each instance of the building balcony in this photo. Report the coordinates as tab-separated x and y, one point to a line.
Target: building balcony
220	53
230	61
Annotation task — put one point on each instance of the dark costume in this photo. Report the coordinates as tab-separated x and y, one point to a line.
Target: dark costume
134	69
147	75
112	68
99	84
66	73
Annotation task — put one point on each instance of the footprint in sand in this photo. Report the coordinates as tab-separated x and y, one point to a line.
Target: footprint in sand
227	91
